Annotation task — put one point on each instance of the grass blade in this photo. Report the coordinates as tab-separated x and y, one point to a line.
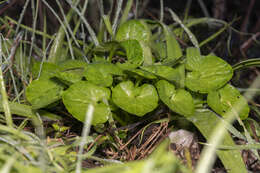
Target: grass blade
4	98
186	29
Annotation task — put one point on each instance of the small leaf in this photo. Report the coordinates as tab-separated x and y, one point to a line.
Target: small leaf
193	58
224	99
134	51
71	71
41	93
79	95
72	64
213	73
176	75
179	101
172	46
134	30
159	48
102	73
44	70
135	100
143	73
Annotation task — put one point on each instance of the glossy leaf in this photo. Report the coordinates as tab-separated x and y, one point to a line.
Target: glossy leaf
173	49
176	75
135	100
224	99
213	73
179	101
205	120
193	58
41	93
102	73
79	95
133	30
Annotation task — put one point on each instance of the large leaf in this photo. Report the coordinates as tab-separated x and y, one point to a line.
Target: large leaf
102	73
41	93
79	95
193	58
213	73
224	99
179	101
176	75
134	30
205	120
135	100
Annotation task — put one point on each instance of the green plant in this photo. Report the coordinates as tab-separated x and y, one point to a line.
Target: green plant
134	69
134	80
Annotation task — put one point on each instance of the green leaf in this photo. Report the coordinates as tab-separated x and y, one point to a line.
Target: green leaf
71	71
72	64
79	95
102	73
134	30
205	120
213	73
176	75
172	46
224	99
44	70
135	100
134	51
142	73
159	48
179	101
193	58
41	93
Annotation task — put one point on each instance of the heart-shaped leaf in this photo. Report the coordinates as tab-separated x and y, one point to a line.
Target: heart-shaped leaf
226	98
213	73
133	30
176	75
102	73
41	93
79	95
179	101
135	100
